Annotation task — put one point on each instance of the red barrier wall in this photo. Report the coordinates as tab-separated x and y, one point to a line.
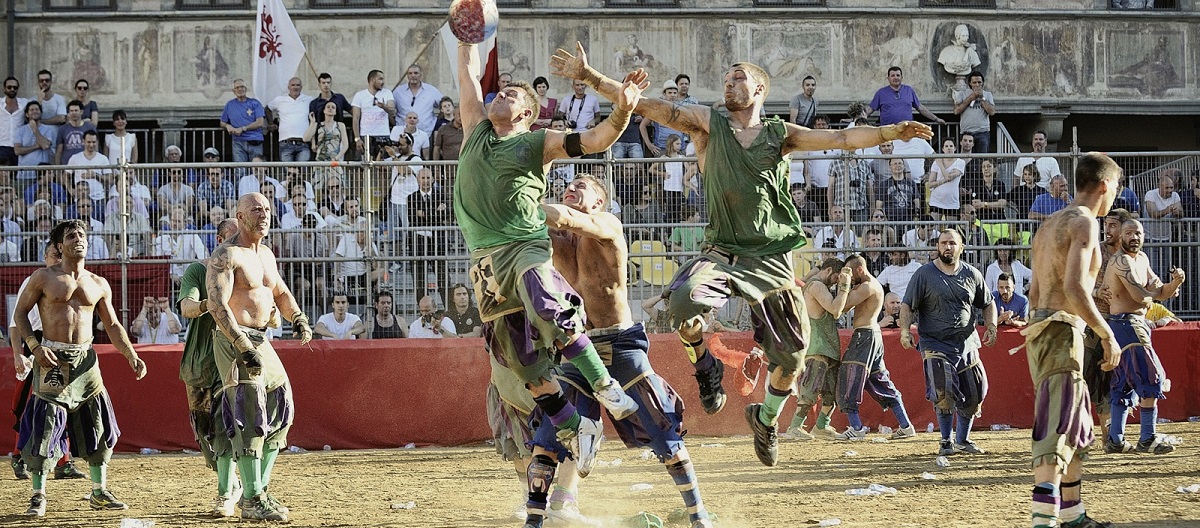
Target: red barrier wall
372	394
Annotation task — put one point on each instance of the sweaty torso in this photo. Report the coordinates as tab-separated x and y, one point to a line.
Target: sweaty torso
68	303
255	276
597	270
866	313
1050	251
1132	268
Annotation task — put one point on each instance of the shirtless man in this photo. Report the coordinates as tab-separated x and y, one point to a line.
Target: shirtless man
1065	262
1134	288
198	370
819	378
862	365
753	228
529	312
68	396
591	253
1099	381
244	292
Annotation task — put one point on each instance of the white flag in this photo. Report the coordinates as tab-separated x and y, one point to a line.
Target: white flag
277	52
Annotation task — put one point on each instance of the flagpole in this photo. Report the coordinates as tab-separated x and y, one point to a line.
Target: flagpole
310	66
420	53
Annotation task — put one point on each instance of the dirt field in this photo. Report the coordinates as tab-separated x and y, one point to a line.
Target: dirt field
461	487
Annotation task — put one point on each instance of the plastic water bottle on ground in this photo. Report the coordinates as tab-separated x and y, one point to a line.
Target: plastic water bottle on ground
883	490
929	428
829	522
136	523
150	451
327	447
1001	427
641	487
928	476
884	430
942	461
404	505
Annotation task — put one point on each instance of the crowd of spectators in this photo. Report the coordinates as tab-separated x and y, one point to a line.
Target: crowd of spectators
331	254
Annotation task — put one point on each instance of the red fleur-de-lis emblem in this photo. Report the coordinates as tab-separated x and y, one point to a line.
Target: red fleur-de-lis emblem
269	46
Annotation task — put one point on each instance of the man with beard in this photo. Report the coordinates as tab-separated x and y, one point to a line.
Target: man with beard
1134	287
1065	261
1099	380
753	228
862	367
943	294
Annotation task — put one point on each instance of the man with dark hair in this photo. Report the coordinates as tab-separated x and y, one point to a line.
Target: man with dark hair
316	108
896	101
385	324
1047	167
1012	308
684	83
803	107
753	228
1098	380
68	396
501	181
975	108
339	323
862	367
372	110
54	106
70	133
1065	262
198	370
824	353
12	118
943	294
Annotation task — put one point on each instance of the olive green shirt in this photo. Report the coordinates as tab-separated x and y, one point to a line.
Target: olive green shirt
197	367
499	188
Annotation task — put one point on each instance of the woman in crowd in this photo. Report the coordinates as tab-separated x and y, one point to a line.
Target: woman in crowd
944	177
120	141
549	105
329	142
988	195
670	173
1005	263
1021	197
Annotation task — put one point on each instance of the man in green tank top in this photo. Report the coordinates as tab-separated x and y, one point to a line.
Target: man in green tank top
753	226
819	377
529	311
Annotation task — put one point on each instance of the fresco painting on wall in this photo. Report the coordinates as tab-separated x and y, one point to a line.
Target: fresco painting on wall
1149	62
791	52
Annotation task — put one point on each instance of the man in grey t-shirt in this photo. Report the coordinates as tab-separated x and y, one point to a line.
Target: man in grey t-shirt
975	108
803	107
944	294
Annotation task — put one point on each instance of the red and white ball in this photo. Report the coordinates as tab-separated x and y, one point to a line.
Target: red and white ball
473	21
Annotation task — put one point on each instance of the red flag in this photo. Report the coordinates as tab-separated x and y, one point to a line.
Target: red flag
490	82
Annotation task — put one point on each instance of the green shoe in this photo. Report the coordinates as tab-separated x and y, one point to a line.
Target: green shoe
104	500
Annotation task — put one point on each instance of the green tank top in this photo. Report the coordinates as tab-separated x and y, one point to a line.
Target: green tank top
197	368
499	188
824	339
750	210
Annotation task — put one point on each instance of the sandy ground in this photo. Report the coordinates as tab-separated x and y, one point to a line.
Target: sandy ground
471	486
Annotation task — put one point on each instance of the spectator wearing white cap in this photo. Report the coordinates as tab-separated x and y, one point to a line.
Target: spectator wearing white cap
658	144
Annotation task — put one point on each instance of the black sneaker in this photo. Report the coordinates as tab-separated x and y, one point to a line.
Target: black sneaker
1087	522
766	442
712	395
104	500
20	470
37	506
68	471
1156	445
1111	447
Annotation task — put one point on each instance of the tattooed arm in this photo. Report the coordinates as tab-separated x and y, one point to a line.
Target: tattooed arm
220	289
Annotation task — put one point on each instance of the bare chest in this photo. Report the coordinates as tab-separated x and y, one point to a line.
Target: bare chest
77	292
255	269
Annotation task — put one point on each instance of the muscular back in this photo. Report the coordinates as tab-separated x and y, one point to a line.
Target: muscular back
67	303
1068	234
866	312
597	269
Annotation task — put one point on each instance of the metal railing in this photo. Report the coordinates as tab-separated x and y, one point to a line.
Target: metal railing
413	257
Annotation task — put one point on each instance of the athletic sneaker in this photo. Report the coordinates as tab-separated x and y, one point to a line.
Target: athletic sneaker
20	470
274	502
712	395
702	523
586	443
968	448
37	505
946	448
798	433
104	500
520	513
261	509
904	432
1156	445
827	432
567	515
766	442
853	434
68	471
1086	522
225	506
613	397
1111	447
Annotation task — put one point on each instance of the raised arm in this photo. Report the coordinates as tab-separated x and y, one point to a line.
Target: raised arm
470	95
116	332
831	303
601	226
689	119
602	136
806	139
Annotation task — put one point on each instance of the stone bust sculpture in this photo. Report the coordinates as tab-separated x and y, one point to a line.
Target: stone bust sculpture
960	57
